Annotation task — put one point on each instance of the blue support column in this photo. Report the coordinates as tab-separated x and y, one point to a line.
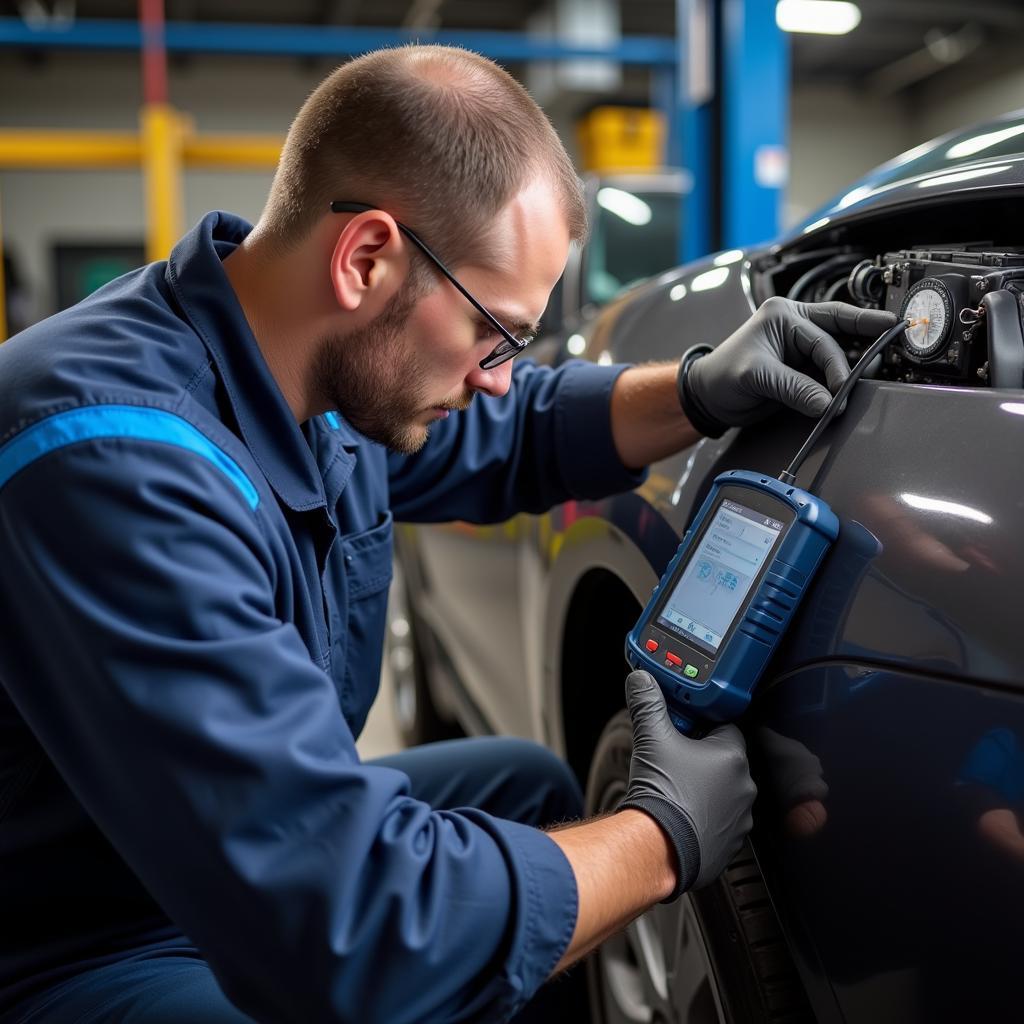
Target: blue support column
690	133
755	119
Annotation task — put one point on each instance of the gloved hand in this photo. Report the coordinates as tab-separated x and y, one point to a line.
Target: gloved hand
699	791
756	370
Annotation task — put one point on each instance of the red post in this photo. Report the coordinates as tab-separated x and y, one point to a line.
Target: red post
154	53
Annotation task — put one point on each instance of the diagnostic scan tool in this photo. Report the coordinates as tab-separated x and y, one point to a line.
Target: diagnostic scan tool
720	610
727	596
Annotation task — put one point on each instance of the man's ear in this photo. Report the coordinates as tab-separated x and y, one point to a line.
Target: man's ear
369	261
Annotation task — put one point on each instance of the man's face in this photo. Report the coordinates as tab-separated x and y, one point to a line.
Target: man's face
419	360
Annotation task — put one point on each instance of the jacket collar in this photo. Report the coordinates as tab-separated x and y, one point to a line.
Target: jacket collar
196	276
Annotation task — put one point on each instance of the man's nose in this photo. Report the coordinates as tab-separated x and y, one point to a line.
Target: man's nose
494	382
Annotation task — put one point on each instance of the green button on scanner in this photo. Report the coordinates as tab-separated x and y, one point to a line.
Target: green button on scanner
690	671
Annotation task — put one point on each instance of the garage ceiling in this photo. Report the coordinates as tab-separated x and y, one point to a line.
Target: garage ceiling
897	44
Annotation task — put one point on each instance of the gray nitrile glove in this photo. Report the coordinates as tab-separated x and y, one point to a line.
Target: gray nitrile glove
699	791
756	370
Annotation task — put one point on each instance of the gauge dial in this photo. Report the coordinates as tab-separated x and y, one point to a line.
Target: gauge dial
929	303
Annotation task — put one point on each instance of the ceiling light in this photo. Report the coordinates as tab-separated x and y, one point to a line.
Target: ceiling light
629	207
825	17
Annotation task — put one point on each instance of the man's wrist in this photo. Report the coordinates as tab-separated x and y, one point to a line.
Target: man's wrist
691	405
666	880
678	830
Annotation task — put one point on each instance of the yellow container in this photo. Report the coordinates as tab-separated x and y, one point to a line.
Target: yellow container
621	139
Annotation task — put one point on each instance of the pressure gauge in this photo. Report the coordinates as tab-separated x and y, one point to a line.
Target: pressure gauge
929	303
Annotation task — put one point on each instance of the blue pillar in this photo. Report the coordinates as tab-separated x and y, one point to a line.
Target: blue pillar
690	125
755	117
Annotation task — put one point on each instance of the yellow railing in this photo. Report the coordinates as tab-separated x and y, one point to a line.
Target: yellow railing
165	145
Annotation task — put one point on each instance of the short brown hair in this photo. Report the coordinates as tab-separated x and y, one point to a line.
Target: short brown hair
440	137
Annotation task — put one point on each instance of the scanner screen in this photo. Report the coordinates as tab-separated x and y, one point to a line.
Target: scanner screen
719	574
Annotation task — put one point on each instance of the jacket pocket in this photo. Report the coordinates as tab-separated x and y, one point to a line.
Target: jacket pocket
364	563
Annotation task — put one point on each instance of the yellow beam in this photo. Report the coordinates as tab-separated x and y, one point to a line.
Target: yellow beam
38	149
163	132
257	151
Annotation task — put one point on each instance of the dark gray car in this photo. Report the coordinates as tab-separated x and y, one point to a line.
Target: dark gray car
884	881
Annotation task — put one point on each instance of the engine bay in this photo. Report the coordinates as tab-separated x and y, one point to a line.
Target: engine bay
968	300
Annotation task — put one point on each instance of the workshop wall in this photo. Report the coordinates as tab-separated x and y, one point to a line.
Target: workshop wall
835	136
989	84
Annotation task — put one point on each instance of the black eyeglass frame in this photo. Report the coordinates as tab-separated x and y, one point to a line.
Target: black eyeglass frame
509	347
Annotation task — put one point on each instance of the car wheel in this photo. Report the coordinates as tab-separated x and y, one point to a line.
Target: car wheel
713	957
416	715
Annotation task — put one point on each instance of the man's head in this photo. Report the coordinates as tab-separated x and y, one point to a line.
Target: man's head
446	142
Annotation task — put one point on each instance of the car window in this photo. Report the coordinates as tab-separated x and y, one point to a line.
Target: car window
633	236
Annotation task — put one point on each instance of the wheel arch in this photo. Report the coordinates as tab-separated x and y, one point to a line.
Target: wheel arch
600	581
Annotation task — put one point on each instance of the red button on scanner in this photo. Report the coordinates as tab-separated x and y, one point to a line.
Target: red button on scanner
652	645
673	658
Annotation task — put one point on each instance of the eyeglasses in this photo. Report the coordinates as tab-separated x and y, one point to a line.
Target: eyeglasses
509	347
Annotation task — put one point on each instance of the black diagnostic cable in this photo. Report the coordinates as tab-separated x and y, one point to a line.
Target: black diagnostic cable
788	475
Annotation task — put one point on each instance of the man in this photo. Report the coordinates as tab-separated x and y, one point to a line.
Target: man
197	479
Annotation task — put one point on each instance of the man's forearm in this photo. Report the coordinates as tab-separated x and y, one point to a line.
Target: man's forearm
647	421
623	864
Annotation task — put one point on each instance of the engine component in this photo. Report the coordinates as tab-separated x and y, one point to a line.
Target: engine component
866	283
940	289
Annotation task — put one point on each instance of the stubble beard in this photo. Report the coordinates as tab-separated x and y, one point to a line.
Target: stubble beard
378	382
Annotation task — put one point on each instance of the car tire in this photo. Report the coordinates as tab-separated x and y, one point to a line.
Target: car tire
712	957
417	718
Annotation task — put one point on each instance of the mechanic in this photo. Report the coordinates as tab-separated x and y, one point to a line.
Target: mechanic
199	468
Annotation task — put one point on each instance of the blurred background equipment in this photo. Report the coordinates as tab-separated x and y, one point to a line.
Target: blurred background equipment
762	109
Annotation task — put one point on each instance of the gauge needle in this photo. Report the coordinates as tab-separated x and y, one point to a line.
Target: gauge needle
920	320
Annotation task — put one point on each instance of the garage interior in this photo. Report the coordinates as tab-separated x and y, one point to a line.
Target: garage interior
733	153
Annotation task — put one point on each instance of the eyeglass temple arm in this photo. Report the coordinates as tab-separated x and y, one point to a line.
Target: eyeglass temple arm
340	206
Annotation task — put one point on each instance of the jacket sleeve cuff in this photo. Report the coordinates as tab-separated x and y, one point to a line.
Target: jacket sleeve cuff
544	915
591	466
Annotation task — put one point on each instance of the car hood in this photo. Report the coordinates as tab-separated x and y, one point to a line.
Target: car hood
982	158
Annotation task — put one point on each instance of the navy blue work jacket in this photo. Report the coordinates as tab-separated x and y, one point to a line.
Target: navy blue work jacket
192	597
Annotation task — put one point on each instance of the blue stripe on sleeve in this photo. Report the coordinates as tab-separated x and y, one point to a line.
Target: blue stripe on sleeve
129	421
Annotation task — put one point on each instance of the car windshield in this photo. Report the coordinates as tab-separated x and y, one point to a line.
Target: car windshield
634	235
942	158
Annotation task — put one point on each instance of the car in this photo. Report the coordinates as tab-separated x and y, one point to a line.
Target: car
883	882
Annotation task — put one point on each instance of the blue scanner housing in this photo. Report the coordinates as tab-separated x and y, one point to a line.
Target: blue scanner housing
724	602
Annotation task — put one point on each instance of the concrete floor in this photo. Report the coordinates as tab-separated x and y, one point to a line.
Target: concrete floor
380	737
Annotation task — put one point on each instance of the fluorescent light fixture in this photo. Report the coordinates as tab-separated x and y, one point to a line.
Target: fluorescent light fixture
709	279
604	359
824	17
968	147
629	207
678	292
949	508
576	344
723	259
